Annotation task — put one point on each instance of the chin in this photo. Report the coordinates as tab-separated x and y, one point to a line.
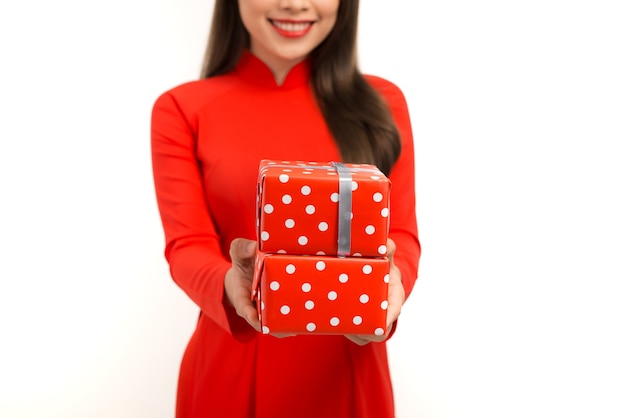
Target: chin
293	55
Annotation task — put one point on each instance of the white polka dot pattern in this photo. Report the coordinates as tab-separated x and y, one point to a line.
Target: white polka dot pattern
323	294
303	202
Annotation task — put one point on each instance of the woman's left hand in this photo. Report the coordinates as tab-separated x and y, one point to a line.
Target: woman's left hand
395	298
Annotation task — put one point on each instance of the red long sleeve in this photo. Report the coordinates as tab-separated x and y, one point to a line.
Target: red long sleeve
193	248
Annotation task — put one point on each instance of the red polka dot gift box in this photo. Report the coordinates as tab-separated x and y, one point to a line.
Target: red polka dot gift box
322	208
321	294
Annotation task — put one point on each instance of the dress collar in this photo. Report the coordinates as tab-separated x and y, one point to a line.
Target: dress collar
255	71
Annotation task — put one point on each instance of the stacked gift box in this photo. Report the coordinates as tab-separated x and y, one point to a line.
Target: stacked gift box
321	264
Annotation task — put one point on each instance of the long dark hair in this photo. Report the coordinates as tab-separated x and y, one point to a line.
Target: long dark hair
356	114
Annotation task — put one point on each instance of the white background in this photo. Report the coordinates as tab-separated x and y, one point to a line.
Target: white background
519	116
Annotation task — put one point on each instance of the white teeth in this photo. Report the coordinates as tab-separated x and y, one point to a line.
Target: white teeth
291	27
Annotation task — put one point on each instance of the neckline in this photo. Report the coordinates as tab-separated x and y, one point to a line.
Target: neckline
255	71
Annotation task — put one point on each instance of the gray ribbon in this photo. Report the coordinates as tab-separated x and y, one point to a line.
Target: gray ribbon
345	209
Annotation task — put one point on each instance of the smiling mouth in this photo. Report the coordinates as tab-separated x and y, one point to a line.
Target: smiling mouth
289	26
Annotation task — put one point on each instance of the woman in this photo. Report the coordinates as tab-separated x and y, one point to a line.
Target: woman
280	81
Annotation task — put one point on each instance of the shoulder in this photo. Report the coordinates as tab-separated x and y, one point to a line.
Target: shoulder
191	96
389	90
396	101
391	94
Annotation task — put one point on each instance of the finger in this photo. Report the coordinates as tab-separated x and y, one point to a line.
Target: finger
396	300
365	339
282	335
250	314
392	316
357	340
391	248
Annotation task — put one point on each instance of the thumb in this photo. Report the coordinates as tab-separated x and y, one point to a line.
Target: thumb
242	248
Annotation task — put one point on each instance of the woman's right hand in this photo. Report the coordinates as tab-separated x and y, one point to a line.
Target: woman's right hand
238	280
